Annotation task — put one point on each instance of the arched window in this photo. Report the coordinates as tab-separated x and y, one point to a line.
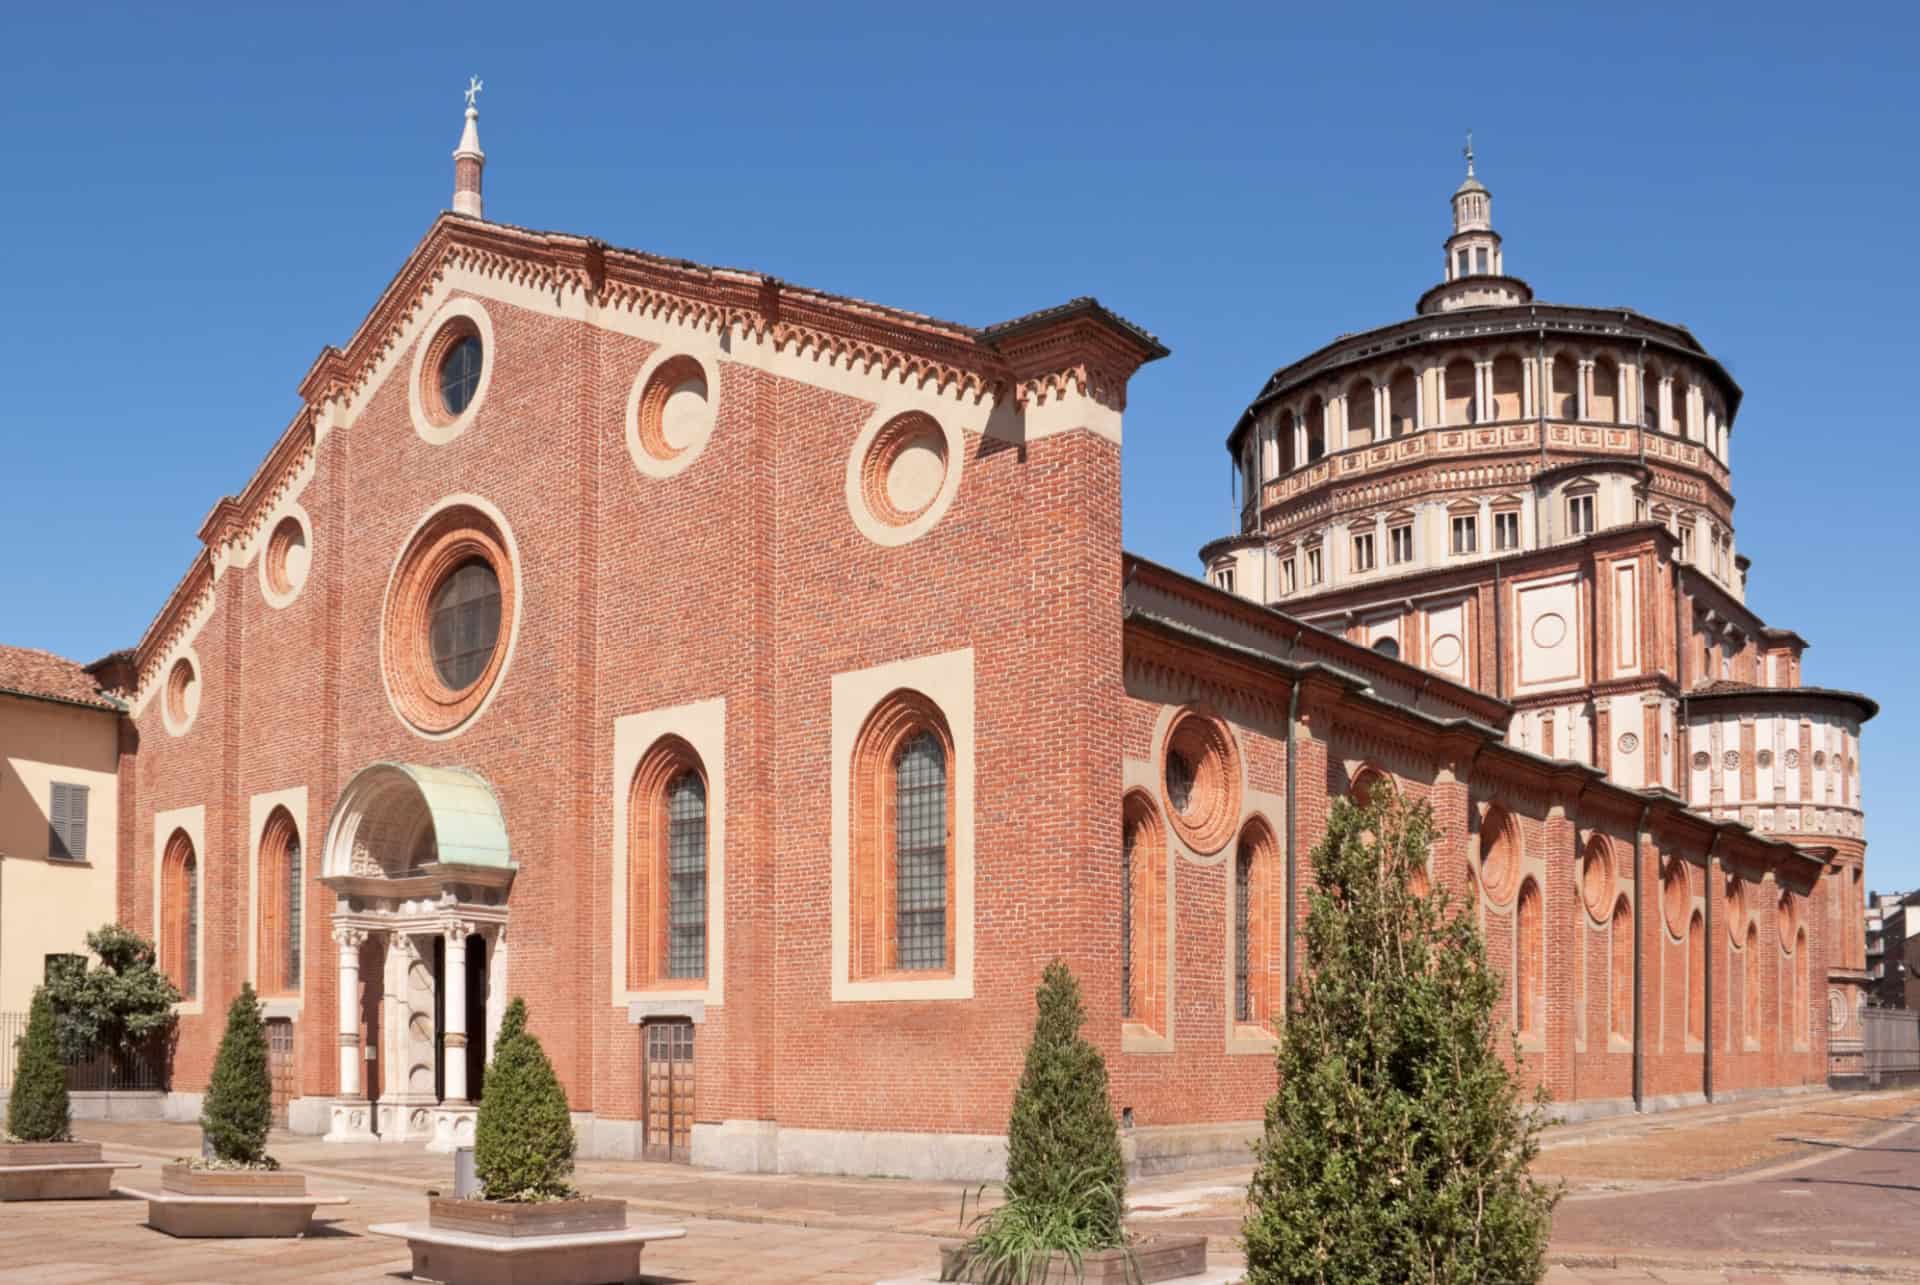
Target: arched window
1507	384
180	914
1751	982
1403	403
1679	412
1461	405
1563	399
667	867
1529	973
1696	977
1259	904
1316	416
1360	419
1650	397
1797	1019
1620	992
902	830
1603	402
1143	913
279	900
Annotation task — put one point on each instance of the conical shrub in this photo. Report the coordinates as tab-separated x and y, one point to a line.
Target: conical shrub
1397	1147
523	1140
37	1108
239	1105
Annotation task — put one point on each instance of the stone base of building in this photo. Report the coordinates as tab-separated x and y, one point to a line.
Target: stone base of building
309	1115
182	1108
118	1104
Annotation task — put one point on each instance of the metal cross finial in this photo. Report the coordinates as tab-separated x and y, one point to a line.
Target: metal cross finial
1468	150
474	86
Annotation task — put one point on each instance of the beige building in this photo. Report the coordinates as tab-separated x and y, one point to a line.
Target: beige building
60	744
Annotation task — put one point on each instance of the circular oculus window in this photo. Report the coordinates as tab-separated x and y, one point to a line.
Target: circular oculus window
283	568
1499	858
1201	777
1676	896
449	616
181	700
670	413
1736	910
1596	881
452	368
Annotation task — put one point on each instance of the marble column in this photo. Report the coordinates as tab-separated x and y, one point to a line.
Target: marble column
350	941
454	1036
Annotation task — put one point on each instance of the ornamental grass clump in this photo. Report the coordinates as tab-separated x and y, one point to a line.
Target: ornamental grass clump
239	1105
37	1109
523	1139
1397	1146
1066	1181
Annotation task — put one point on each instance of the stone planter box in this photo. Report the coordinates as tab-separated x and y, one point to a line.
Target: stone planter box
230	1203
185	1180
508	1218
55	1171
1157	1258
441	1253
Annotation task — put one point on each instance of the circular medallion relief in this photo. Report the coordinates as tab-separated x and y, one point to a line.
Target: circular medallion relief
1836	1010
1702	761
670	413
1793	760
284	564
902	475
1629	742
1550	630
451	607
1764	758
1499	857
180	701
1732	760
1444	651
1736	897
1596	880
1201	778
1819	758
1676	898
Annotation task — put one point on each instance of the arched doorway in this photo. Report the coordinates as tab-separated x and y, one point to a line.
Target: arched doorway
419	860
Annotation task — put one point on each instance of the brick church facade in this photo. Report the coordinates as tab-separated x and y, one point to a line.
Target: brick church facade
753	679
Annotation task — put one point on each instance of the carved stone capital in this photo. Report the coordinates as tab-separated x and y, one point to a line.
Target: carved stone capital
350	936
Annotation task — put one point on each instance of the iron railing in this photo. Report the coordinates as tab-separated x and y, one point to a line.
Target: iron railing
1890	1039
140	1067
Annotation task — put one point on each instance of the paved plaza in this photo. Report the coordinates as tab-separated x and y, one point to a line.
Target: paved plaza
1820	1188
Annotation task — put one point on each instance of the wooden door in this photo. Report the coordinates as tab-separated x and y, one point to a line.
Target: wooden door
280	1066
667	1091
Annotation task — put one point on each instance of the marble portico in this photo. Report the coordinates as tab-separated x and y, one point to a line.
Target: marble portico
419	859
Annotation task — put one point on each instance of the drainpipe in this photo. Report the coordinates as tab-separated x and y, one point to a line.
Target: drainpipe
1639	960
1293	859
1706	1021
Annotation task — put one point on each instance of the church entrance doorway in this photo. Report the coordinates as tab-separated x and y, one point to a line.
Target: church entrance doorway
666	1107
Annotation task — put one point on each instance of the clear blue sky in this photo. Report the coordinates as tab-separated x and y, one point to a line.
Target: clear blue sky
196	201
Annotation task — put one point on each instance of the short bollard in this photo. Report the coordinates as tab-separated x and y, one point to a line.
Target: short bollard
466	1182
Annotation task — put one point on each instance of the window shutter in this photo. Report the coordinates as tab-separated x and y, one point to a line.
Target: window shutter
57	824
77	822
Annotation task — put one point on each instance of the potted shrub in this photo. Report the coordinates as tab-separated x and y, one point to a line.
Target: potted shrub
234	1188
1066	1185
39	1160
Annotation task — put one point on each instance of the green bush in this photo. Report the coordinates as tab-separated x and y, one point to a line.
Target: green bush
523	1139
1397	1146
121	1002
37	1108
239	1105
1066	1182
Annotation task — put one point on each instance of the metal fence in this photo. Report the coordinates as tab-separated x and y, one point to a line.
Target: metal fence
1891	1044
138	1067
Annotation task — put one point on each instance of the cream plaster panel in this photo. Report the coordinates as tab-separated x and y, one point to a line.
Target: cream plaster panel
1628	767
474	311
1374	628
259	808
1626	618
256	550
947	681
702	347
196	691
48	906
883	533
703	726
511	627
1136	1037
1548	615
1447	641
194	821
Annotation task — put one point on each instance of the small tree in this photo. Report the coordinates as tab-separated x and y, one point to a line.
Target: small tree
523	1139
1066	1180
37	1109
239	1105
119	1004
1397	1146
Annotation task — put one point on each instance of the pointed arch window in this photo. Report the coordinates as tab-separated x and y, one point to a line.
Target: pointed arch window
903	855
279	898
1529	973
667	867
1620	992
1259	904
1696	977
180	914
1143	914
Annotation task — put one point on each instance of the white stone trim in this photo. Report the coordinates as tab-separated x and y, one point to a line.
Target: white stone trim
883	533
474	311
185	725
706	353
292	509
259	808
703	726
512	627
947	681
193	820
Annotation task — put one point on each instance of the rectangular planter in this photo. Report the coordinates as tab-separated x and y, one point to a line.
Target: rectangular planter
184	1180
514	1219
13	1154
1157	1258
57	1182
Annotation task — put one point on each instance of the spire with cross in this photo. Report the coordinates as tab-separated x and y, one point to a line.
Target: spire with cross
468	159
1467	150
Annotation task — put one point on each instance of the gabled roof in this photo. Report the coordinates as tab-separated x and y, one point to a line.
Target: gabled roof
41	675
